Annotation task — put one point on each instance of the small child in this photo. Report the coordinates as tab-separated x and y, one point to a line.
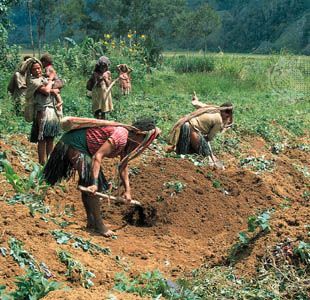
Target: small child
47	63
125	80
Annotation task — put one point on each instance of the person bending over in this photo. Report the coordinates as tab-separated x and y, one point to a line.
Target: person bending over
83	150
193	132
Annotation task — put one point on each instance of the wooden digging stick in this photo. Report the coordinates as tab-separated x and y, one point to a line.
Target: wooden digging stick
116	199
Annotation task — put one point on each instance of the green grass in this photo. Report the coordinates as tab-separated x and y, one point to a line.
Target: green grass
166	95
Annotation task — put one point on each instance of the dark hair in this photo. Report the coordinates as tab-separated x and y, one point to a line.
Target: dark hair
145	124
102	64
229	107
46	58
26	57
99	68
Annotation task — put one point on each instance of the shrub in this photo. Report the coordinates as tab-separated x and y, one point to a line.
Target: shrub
190	64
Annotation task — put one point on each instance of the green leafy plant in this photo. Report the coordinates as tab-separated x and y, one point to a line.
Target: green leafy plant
303	251
24	258
216	184
153	284
257	163
20	255
32	286
303	169
78	242
34	202
176	186
22	184
75	270
257	225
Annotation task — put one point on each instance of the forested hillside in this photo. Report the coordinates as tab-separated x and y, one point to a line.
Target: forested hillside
259	26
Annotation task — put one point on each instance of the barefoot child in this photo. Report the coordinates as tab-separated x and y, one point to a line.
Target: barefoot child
124	78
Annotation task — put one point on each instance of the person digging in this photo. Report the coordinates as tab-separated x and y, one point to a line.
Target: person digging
83	149
193	132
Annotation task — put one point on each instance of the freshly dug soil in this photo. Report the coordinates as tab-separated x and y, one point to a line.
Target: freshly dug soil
175	230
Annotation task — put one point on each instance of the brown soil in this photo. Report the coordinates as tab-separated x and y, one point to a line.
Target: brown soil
180	230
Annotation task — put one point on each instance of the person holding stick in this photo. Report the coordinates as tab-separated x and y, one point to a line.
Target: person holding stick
193	132
84	148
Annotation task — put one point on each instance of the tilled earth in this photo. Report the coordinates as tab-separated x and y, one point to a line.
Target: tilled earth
177	229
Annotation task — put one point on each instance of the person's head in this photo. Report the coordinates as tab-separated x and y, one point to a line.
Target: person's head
36	70
134	137
26	57
227	113
122	68
102	64
46	60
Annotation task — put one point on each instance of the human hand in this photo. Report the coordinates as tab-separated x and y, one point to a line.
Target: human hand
93	188
59	105
127	196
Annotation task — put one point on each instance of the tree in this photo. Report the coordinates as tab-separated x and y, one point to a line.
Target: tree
192	27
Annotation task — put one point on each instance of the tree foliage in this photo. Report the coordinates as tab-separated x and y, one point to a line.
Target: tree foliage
232	25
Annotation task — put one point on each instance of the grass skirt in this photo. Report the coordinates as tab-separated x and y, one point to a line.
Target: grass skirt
59	166
46	124
184	143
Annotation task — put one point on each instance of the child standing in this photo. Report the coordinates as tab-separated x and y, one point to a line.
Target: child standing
124	78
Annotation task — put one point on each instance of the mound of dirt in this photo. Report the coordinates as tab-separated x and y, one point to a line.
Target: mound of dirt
189	215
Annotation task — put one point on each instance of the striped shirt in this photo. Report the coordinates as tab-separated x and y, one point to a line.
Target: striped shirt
97	136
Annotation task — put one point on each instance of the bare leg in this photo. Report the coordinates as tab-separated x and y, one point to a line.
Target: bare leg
195	140
94	205
42	151
91	202
49	146
90	217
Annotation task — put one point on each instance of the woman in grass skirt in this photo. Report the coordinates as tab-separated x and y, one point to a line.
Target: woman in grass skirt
45	124
83	149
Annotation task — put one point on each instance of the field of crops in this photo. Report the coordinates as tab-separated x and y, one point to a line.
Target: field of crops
238	233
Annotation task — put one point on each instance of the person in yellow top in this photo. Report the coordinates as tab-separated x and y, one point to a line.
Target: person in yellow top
193	132
100	85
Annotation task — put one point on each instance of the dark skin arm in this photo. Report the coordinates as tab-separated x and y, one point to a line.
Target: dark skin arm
104	151
47	89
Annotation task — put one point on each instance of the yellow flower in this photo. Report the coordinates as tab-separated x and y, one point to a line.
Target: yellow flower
142	36
107	36
129	35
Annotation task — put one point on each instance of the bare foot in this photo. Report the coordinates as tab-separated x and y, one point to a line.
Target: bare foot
169	149
108	233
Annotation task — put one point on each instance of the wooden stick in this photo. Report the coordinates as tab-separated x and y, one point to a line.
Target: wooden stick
116	199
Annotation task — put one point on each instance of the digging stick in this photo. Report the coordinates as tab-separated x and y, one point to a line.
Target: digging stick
115	199
217	163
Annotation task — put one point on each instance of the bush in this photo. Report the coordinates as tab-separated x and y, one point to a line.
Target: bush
190	64
139	52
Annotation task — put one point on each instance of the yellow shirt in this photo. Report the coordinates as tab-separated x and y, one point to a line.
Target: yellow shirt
208	124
